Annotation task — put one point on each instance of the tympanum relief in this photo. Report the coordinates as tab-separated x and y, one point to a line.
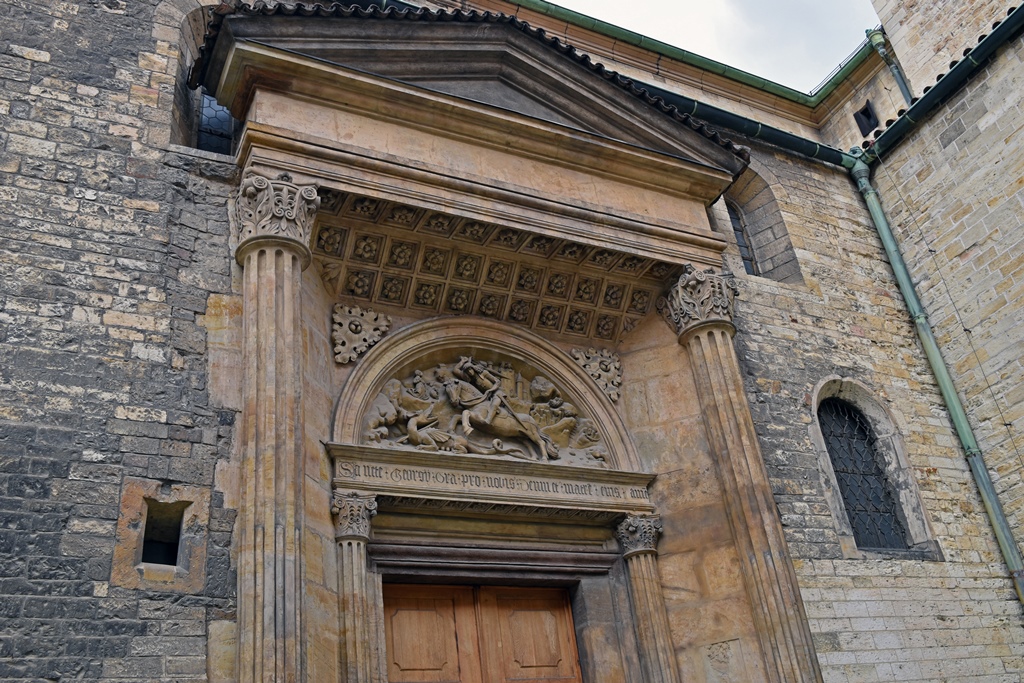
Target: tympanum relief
483	408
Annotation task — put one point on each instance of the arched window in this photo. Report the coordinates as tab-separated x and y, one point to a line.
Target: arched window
742	240
866	478
866	492
750	213
216	126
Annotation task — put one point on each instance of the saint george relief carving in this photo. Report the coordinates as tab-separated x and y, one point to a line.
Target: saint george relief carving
355	330
492	408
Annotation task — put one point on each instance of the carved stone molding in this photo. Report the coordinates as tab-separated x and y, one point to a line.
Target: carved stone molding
355	331
699	297
603	366
639	534
275	208
354	511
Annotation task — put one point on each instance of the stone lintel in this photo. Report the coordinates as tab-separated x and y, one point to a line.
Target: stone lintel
490	487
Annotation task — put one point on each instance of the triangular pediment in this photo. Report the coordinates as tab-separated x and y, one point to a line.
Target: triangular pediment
487	59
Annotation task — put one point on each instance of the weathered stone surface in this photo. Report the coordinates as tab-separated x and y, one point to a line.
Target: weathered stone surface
121	334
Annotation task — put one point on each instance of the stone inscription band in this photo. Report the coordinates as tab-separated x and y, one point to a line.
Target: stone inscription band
462	477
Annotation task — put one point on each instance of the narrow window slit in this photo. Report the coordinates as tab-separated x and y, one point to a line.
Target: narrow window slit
162	536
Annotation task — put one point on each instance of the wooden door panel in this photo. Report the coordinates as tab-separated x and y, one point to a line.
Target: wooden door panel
527	634
430	634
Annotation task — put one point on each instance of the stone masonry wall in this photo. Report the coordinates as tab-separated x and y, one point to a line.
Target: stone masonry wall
929	34
111	243
840	130
954	193
873	619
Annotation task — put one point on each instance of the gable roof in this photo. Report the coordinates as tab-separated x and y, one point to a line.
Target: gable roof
513	84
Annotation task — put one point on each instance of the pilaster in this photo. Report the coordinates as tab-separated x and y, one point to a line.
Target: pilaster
700	305
274	218
638	537
353	513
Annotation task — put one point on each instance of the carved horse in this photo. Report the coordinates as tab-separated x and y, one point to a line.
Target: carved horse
506	423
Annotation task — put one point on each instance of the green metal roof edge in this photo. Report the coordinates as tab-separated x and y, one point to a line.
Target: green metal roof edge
693	59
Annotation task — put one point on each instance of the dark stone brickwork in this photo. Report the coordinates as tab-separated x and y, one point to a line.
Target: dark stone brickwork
109	247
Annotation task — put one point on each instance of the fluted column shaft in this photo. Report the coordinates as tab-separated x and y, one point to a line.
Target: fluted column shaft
272	251
701	306
638	536
356	611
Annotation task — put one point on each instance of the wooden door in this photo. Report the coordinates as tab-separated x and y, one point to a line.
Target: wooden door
526	634
460	634
431	634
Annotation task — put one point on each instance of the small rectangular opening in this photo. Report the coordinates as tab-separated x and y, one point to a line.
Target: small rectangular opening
866	119
163	531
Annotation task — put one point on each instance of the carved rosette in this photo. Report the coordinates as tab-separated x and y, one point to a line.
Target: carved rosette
639	534
354	512
355	331
699	297
275	208
603	366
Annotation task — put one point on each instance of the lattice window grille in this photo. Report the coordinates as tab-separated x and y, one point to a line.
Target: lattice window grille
216	126
865	490
742	241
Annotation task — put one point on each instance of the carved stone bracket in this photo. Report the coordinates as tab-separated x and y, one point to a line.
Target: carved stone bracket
354	511
603	366
699	297
275	208
639	534
355	331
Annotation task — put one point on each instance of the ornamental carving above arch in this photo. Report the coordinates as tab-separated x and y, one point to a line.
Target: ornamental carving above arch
473	387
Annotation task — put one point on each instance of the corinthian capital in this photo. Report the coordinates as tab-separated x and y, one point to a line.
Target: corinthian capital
700	296
275	208
639	534
354	511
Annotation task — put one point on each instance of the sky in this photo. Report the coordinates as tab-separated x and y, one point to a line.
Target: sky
793	42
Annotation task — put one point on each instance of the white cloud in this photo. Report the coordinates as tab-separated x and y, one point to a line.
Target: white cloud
793	42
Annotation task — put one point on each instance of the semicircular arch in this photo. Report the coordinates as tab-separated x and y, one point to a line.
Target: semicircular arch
443	340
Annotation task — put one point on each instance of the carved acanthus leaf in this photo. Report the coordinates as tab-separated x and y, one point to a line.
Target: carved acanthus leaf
354	512
603	366
355	331
275	208
639	534
699	296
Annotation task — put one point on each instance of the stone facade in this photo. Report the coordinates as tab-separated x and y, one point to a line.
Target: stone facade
928	36
964	247
154	352
114	245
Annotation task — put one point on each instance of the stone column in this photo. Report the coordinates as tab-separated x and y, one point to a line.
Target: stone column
701	307
638	536
274	219
359	655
